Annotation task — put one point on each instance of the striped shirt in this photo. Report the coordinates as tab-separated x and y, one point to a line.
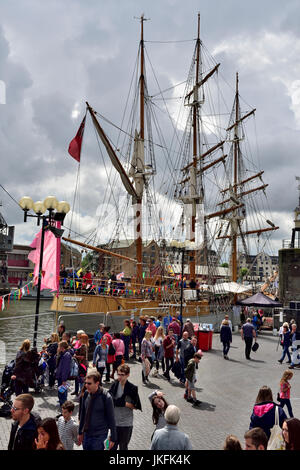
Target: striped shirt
68	431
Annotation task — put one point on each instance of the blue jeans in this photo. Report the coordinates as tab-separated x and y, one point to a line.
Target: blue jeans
93	443
284	352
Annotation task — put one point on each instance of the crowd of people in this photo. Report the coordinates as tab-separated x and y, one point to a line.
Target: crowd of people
105	417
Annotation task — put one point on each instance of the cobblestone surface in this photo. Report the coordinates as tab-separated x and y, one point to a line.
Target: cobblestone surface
227	390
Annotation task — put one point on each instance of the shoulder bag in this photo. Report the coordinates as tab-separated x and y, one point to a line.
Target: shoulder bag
276	441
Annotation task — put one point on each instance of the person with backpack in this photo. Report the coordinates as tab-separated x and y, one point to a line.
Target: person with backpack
97	416
24	429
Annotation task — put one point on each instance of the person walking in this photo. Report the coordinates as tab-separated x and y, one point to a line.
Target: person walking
190	373
159	350
263	414
248	333
169	437
147	347
100	357
169	344
286	343
97	415
285	391
23	373
182	345
225	337
24	429
126	399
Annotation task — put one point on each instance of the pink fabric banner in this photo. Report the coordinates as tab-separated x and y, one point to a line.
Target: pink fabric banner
51	260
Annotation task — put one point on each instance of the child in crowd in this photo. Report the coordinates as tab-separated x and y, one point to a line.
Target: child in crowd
67	428
232	443
285	391
190	374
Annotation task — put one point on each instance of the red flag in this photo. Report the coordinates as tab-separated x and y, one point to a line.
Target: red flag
75	144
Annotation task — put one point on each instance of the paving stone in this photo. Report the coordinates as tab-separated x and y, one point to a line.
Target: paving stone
227	389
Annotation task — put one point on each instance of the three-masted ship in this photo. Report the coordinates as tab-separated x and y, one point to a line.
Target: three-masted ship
200	175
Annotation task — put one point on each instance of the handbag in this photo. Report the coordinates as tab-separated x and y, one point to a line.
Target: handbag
276	441
255	347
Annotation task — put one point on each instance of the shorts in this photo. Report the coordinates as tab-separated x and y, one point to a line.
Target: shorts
191	385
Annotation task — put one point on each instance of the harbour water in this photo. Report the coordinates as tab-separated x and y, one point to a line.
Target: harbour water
17	324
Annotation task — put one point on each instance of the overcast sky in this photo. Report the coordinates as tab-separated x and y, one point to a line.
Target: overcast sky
55	55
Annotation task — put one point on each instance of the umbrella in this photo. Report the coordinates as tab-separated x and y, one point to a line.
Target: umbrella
259	300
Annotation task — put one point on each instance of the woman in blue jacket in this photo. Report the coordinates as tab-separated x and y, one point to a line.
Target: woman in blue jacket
225	337
263	415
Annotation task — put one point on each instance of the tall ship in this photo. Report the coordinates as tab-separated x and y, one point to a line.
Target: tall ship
181	181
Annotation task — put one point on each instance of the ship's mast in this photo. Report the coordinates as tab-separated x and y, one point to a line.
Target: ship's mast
236	150
138	207
193	168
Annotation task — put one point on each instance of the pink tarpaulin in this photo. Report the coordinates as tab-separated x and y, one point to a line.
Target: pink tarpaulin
51	260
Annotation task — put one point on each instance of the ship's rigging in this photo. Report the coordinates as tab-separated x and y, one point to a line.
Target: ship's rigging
199	185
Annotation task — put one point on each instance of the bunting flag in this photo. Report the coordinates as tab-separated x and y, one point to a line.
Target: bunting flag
75	144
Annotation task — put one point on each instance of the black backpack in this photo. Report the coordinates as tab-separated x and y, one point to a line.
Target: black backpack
111	350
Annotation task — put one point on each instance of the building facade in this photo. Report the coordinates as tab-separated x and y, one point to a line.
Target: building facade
260	267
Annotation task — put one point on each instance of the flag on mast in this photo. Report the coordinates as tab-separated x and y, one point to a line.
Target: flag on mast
75	144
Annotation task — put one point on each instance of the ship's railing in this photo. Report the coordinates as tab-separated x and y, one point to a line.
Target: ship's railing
120	288
286	244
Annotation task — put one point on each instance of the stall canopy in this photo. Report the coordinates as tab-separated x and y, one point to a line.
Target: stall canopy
259	300
232	287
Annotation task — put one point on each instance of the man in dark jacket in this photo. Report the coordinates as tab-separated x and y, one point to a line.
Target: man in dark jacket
96	415
24	429
126	399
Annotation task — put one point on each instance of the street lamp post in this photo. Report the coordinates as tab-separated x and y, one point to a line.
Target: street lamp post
182	247
56	213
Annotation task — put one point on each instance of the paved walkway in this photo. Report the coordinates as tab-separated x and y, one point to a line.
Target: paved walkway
227	390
